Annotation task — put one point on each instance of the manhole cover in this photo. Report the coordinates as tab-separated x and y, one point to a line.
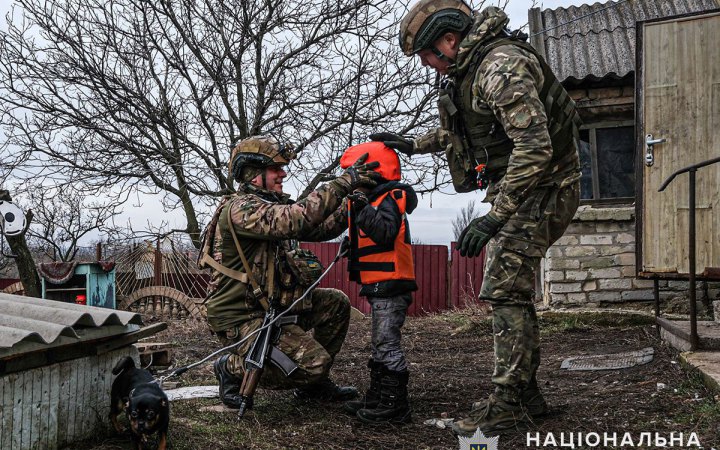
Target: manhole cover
609	362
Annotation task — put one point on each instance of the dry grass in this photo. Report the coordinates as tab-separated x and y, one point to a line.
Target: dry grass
451	366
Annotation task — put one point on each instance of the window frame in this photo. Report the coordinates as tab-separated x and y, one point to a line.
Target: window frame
592	130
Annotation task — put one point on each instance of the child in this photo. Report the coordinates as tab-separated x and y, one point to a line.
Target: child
380	259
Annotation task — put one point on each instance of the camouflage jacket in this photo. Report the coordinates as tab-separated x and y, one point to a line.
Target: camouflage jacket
266	225
506	84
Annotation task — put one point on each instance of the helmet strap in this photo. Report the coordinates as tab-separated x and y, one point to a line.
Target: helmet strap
440	55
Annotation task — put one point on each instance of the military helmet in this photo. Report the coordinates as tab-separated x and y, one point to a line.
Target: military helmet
259	152
428	20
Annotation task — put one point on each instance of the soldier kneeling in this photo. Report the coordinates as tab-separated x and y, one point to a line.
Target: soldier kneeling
250	244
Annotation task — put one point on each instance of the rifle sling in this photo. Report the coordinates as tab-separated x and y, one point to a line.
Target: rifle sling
257	291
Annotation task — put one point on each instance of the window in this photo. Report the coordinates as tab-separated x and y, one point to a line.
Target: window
607	161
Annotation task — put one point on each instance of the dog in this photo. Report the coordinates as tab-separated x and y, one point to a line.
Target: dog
146	405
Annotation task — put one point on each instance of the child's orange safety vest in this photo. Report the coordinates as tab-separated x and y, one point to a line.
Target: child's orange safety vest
375	263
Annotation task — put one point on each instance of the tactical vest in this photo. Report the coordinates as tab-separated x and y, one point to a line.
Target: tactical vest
472	137
370	262
271	266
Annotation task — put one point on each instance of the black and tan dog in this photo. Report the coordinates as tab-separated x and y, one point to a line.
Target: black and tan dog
146	405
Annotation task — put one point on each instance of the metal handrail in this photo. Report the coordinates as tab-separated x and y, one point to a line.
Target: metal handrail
694	338
687	169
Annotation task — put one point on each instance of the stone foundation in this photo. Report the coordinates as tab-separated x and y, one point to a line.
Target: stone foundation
593	264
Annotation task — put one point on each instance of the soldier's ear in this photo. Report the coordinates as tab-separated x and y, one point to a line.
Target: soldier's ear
451	38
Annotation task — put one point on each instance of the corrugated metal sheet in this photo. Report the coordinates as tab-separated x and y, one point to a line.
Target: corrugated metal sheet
26	319
598	40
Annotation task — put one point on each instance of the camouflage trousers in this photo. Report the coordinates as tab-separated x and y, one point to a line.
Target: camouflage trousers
513	259
314	353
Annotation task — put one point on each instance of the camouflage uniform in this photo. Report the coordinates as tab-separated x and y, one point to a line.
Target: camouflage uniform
504	108
265	223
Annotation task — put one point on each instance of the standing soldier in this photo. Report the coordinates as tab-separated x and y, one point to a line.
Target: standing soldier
507	124
250	246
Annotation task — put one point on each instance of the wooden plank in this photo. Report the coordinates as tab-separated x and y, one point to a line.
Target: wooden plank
40	440
64	398
107	379
35	407
8	406
84	412
83	400
18	408
27	413
72	402
53	405
4	410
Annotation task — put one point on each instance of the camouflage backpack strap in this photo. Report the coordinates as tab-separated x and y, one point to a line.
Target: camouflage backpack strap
257	290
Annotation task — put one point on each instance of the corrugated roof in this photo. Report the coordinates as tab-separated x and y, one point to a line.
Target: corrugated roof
36	320
598	40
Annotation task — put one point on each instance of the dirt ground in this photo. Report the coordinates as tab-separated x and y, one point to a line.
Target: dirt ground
451	362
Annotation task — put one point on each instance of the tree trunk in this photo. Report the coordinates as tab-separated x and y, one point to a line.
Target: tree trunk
25	265
24	259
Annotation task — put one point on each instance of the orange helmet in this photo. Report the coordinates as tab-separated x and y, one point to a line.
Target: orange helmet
377	151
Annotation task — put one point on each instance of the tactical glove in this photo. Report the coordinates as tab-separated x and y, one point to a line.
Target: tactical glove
361	174
393	140
359	200
474	237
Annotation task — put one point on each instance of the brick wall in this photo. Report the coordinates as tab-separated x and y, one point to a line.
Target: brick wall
593	264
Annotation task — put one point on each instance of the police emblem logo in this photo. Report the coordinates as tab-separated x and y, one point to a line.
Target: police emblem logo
478	442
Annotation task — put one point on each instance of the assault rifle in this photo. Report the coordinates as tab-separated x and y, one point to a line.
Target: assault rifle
263	350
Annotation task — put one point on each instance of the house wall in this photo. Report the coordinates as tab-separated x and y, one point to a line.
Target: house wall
604	103
53	406
593	264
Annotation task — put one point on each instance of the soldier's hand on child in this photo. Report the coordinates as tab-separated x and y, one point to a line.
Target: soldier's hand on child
362	174
395	141
359	200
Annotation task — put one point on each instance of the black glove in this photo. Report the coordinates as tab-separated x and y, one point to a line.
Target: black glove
392	140
474	237
359	200
361	174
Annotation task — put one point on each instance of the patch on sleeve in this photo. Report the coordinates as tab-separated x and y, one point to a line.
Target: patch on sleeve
513	103
519	116
397	194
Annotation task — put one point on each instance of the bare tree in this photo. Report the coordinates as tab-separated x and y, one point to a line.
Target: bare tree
150	96
63	218
464	217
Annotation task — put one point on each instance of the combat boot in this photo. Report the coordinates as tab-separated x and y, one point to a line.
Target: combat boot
371	399
531	398
493	416
326	390
229	384
394	406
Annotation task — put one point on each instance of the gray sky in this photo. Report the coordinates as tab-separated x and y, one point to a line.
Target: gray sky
431	223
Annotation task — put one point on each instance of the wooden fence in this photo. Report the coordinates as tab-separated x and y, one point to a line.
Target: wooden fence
443	283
